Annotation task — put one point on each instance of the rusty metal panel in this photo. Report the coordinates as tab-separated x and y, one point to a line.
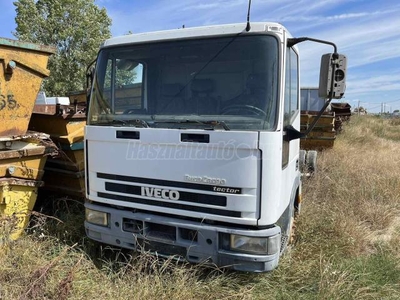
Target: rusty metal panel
72	111
21	45
323	134
77	96
63	128
17	199
73	160
307	118
25	156
22	69
24	170
65	124
341	109
20	149
25	161
317	144
65	182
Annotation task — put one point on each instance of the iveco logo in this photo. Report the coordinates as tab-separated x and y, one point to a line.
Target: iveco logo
205	179
160	193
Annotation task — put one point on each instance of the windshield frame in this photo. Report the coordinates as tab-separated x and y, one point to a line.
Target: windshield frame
195	120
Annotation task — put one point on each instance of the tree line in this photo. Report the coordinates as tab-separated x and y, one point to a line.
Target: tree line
75	27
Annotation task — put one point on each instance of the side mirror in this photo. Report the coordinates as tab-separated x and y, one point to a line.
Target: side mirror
126	64
292	133
332	77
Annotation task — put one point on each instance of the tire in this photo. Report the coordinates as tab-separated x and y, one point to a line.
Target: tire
288	230
302	161
311	159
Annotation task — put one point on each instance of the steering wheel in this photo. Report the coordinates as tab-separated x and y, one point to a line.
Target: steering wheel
242	108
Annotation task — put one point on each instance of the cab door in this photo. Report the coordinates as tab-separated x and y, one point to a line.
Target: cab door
291	116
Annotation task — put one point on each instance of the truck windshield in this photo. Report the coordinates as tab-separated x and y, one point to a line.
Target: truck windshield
199	83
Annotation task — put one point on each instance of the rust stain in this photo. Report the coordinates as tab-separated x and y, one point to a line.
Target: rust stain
22	68
11	132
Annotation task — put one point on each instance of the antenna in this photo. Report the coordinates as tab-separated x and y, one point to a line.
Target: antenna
248	17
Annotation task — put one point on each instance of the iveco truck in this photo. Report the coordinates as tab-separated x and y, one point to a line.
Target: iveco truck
192	142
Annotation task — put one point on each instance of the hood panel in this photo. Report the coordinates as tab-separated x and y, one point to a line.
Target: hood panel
196	173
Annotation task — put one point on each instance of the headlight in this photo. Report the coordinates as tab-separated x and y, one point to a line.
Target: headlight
96	217
255	245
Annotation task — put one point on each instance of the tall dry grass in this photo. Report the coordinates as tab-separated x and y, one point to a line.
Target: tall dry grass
347	244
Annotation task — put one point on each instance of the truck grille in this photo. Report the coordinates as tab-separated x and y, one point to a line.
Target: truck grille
207	210
175	184
185	201
184	196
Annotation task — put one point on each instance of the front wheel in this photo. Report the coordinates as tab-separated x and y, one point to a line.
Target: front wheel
302	160
312	161
288	229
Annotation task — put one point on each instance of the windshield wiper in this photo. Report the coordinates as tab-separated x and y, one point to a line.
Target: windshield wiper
217	123
212	123
134	123
141	122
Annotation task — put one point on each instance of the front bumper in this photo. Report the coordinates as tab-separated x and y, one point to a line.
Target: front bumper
188	240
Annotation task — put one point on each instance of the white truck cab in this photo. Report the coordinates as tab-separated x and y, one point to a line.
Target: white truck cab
192	143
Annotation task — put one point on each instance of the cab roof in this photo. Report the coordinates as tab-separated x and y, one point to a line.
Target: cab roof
196	32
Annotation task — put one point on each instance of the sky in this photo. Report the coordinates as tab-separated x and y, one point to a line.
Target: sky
366	31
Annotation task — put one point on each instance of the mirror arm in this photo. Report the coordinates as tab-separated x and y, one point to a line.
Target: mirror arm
293	41
312	125
293	134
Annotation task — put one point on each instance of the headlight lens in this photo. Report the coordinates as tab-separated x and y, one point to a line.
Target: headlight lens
96	217
255	245
274	244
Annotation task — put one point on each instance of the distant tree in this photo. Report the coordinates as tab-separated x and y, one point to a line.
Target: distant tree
362	110
75	27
